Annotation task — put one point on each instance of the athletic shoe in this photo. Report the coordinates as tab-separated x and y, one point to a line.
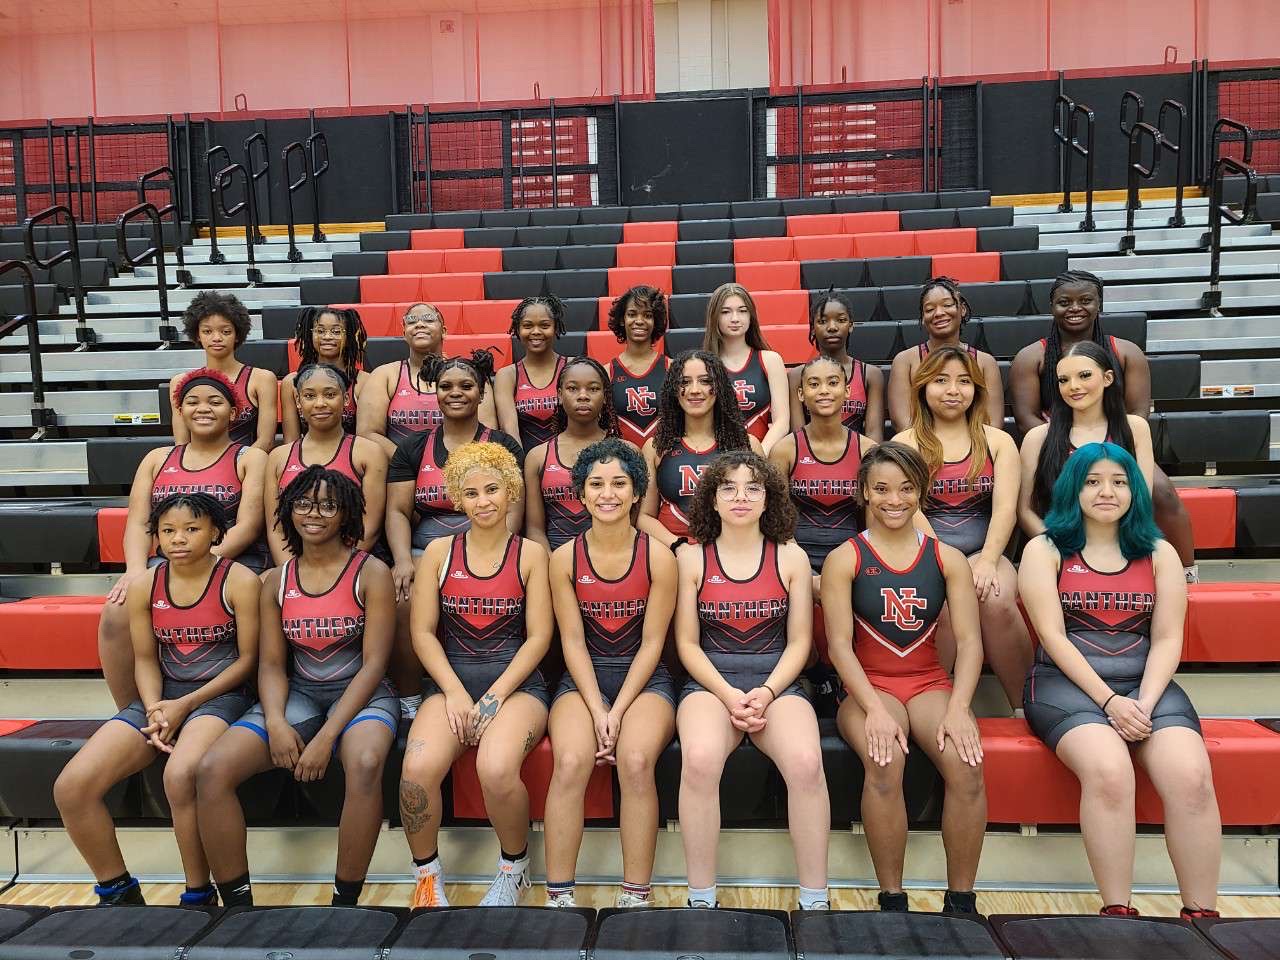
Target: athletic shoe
1118	910
206	896
956	901
818	905
893	902
558	900
702	904
429	891
409	707
1195	913
130	894
632	901
511	881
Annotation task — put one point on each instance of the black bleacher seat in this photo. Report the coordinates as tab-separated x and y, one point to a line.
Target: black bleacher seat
900	302
897	271
1068	937
1000	239
137	933
876	342
113	461
666	932
578	283
94	272
806	206
1032	264
554	217
821	935
1126	326
1038	296
687	310
1268	209
542	236
259	795
910	201
680	339
271	355
1202	436
493	932
515	285
412	221
940	219
755	208
864	301
504	218
531	258
385	350
595	233
386	240
1243	938
746	228
1005	336
704	211
985	217
700	278
286	932
656	213
582	315
705	230
692	252
964	198
369	263
489	237
593	215
1175	376
1002	299
40	751
13	919
456	219
326	290
587	257
278	323
13	301
1258	516
51	531
821	274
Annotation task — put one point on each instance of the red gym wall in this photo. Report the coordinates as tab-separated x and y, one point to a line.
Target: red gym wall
105	58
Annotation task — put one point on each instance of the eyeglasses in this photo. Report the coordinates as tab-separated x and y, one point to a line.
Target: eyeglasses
706	383
418	319
326	508
752	492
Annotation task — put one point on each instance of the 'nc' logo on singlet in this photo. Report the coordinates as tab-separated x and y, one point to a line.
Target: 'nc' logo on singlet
640	400
689	477
900	607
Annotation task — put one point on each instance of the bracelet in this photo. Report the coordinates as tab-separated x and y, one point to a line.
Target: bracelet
679	542
771	693
1108	700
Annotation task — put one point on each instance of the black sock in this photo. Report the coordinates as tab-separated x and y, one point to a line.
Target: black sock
422	862
346	893
237	892
117	883
513	857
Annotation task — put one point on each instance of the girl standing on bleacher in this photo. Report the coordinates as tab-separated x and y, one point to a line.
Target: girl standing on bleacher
1107	597
527	410
862	410
756	373
219	323
972	503
328	616
638	319
325	335
744	629
614	590
882	594
209	462
319	402
194	623
482	621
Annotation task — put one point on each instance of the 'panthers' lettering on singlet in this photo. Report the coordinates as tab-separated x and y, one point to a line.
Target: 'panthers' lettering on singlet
341	461
566	517
1107	615
895	612
437	515
825	497
411	410
536	406
853	412
612	610
743	616
751	385
196	642
325	630
220	479
959	508
244	422
635	397
678	475
481	617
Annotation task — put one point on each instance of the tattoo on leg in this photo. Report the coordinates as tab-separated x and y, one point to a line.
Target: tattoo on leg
416	745
528	742
413	806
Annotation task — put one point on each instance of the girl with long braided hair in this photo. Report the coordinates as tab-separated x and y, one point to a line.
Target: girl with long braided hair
526	410
830	323
331	335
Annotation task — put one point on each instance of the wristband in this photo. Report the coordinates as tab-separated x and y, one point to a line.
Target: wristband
1108	700
679	542
771	693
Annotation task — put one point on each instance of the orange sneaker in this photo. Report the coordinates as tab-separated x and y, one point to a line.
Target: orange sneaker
429	891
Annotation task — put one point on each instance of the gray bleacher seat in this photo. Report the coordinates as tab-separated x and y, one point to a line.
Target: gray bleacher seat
270	355
581	315
410	221
1202	436
941	219
865	302
587	257
386	240
592	234
806	206
747	228
964	198
532	258
1005	336
910	201
489	237
898	271
514	285
601	215
858	203
900	302
385	350
1175	376
701	278
542	236
687	310
454	220
51	531
821	274
577	283
985	217
755	208
1258	516
278	323
1000	239
504	218
554	217
693	252
365	263
1032	264
875	342
682	338
325	290
656	213
690	230
114	460
704	211
1002	299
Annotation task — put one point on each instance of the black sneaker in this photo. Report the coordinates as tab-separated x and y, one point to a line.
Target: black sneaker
957	901
893	902
205	896
126	894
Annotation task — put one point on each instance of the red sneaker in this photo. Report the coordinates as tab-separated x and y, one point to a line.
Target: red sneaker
1118	910
1196	913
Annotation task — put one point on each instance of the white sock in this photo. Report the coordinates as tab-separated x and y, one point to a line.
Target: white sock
1192	573
703	893
812	896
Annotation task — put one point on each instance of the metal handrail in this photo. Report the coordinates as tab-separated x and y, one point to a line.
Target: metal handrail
1126	128
1067	115
42	417
1218	212
254	176
153	253
174	206
226	176
315	143
85	335
1139	130
1216	141
1175	148
215	255
294	255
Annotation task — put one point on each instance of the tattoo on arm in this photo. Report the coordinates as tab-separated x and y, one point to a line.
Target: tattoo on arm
413	807
488	705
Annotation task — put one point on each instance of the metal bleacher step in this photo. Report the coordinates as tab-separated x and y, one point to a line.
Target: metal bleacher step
111	330
178	299
1164	297
1180	266
147	366
1260	375
221	272
1145	220
1213	334
1109	206
302	239
85	408
1187	236
46	464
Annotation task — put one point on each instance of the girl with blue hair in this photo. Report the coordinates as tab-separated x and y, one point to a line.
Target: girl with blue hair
1107	598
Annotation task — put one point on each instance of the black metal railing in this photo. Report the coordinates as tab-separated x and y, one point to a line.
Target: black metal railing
1137	172
225	178
85	335
1067	115
1219	212
254	176
168	333
1175	147
174	207
215	255
42	417
291	186
317	145
1219	137
1128	98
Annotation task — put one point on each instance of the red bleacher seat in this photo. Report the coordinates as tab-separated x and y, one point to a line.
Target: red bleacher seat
1213	516
468	798
967	267
884	244
13	726
476	260
782	307
762	249
784	275
441	239
825	247
415	261
954	240
1026	783
451	286
657	231
295	359
870	221
487	316
51	633
111	521
379	319
662	254
808	225
1232	623
791	341
390	288
622	279
498	343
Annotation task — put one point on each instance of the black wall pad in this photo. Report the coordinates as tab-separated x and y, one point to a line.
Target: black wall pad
585	257
386	240
515	285
550	217
1032	264
120	933
1244	938
588	233
582	315
542	236
985	217
1038	297
1003	298
386	349
964	198
113	461
821	274
299	933
51	531
368	263
900	303
504	218
1258	517
578	283
675	932
865	302
687	310
13	919
1226	435
417	221
1126	326
271	355
755	208
40	751
805	206
910	201
750	789
655	213
322	291
705	230
1005	336
494	933
489	237
454	219
898	271
531	258
697	252
259	795
1175	376
604	214
871	935
993	239
1099	938
858	203
704	211
927	219
747	228
701	278
875	342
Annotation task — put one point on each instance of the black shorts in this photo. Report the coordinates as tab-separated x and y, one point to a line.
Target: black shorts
477	677
1053	705
310	704
611	673
746	671
228	707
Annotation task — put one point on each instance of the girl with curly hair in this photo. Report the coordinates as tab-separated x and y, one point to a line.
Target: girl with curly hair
481	622
744	625
830	323
698	419
526	410
638	319
333	336
882	593
757	374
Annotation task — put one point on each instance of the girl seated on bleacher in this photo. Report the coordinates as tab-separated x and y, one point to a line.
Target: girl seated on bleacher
194	620
638	319
325	335
525	391
1107	597
862	410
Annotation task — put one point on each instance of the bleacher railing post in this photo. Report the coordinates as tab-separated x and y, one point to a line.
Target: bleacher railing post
174	206
1136	172
1219	211
317	144
167	331
215	255
1176	148
254	176
85	335
225	177
1063	110
42	418
294	255
1126	129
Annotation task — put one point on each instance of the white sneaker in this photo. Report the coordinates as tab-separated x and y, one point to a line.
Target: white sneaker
632	901
511	881
557	900
819	905
409	706
703	904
